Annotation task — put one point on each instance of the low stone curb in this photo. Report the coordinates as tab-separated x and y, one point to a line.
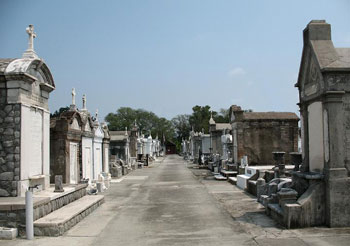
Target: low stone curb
59	229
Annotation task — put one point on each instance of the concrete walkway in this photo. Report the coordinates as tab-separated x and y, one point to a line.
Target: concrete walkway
170	203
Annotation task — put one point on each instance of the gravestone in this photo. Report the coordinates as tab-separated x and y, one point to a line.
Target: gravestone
25	85
58	184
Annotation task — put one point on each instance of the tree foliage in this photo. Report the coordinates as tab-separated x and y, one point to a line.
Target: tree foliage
182	126
59	111
148	122
200	118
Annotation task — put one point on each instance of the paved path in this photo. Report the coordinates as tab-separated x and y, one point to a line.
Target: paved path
172	204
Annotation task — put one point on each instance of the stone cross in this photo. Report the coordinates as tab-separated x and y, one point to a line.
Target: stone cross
73	96
30	53
32	35
84	102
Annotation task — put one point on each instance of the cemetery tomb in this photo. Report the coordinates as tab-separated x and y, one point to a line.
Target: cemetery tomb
133	145
320	194
105	147
119	145
87	145
216	130
25	85
205	139
65	140
97	146
257	134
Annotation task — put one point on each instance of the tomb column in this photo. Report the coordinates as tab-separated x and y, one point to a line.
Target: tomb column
333	118
304	137
336	179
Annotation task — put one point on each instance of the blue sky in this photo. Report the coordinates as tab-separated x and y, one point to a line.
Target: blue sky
167	56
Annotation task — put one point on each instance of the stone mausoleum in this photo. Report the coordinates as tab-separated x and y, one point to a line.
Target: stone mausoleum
25	86
320	189
65	137
258	134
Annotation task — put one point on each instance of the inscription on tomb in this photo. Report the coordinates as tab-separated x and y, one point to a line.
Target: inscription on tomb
36	128
73	163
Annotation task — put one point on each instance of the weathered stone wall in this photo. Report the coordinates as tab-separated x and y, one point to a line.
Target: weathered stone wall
258	139
10	127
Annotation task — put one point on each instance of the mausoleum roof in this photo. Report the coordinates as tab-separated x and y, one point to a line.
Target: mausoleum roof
329	57
270	116
223	126
14	66
118	135
4	62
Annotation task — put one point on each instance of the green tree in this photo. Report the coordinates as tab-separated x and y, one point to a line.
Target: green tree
200	118
222	116
148	122
59	111
182	126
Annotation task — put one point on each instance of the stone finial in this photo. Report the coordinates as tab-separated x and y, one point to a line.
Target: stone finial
211	121
30	53
84	102
96	114
126	131
135	123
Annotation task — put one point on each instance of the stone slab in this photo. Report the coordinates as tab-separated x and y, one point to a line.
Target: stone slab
64	214
220	177
39	198
8	233
232	180
17	203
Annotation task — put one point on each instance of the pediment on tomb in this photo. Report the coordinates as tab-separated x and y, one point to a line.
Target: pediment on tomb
310	80
99	132
35	68
75	124
87	126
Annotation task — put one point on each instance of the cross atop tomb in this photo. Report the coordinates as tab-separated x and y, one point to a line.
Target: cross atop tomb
30	53
84	102
73	96
72	106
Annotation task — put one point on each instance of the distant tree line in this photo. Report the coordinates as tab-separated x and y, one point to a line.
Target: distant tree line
173	130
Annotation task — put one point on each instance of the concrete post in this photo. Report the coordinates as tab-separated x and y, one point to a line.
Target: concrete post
29	215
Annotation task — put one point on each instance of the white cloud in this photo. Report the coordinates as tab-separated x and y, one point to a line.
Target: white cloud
236	72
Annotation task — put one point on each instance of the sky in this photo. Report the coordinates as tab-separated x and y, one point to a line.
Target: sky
168	56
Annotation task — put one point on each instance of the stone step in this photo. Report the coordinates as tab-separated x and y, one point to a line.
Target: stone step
220	177
232	180
61	220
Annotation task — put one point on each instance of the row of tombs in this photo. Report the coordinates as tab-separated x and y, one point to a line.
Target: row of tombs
302	177
84	150
61	158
